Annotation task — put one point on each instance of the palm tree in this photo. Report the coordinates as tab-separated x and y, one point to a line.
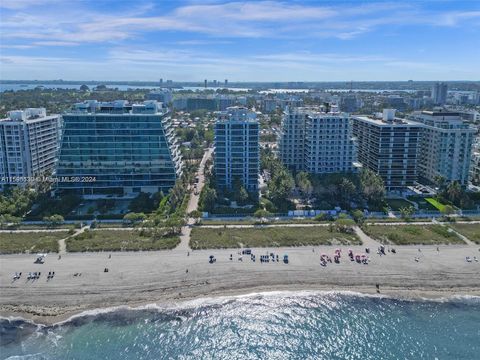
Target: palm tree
347	189
454	191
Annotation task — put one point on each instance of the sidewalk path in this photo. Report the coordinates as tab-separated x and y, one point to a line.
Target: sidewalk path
193	203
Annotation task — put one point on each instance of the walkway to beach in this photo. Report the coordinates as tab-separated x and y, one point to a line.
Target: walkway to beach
184	244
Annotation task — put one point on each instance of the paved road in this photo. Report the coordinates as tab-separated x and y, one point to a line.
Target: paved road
193	203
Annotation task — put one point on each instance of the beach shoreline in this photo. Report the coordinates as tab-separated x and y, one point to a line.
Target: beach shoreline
55	316
145	278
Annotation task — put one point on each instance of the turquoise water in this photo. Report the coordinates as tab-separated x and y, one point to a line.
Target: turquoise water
261	326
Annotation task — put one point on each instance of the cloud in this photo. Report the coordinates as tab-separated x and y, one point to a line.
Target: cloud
255	11
263	19
455	17
263	40
21	4
186	65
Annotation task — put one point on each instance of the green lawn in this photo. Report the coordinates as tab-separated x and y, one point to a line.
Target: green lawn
470	231
205	238
435	203
33	242
118	240
397	204
412	234
422	203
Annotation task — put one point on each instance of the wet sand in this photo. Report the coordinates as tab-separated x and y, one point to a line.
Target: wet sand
139	278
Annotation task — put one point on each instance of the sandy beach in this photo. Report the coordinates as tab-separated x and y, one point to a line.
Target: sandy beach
140	278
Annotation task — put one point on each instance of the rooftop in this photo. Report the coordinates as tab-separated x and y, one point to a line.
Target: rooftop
237	113
397	122
316	111
439	113
118	107
27	115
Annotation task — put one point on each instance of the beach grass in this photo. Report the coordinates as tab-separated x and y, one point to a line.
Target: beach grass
412	234
112	225
209	238
32	242
253	221
118	240
395	220
470	231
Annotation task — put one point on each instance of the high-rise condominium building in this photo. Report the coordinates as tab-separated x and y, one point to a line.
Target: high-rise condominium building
446	146
236	149
317	141
439	93
117	148
389	146
28	145
475	166
291	143
164	96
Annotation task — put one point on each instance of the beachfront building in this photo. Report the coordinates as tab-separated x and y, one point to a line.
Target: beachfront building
236	156
446	146
317	140
117	148
28	145
475	166
291	142
390	147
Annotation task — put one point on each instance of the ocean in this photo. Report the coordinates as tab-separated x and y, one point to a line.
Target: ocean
280	325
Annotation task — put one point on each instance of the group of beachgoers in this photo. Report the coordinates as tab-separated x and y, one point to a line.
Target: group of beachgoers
358	258
35	275
269	257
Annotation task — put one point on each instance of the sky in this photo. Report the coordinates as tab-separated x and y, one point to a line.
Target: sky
240	41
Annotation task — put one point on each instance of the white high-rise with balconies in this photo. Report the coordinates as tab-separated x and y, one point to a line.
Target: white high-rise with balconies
237	156
317	140
29	141
446	146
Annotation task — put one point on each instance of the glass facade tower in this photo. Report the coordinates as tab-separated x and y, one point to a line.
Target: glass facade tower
117	148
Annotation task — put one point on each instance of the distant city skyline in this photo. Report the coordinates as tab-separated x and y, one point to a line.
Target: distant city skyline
240	41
